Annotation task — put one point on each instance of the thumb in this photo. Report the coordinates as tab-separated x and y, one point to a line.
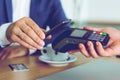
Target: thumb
92	29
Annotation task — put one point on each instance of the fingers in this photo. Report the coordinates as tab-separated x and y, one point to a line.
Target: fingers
29	43
101	51
97	52
29	36
49	37
83	50
27	33
4	54
90	51
35	28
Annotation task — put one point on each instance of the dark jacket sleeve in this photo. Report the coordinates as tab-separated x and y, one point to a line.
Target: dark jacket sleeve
56	16
47	13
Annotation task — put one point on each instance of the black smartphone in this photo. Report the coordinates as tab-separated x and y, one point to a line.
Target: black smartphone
58	27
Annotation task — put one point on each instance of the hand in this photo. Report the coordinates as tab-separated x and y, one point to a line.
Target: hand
112	49
12	52
27	33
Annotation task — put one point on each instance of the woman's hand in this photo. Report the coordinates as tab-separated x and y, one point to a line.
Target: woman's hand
112	49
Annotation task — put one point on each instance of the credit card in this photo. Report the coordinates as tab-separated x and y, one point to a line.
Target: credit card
18	67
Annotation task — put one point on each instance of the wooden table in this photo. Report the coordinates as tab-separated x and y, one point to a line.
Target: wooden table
37	68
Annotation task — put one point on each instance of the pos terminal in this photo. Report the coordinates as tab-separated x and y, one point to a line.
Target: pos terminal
69	39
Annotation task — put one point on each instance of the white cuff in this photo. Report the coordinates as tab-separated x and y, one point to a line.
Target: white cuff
31	51
3	29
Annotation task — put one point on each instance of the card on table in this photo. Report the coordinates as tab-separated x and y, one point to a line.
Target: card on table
18	67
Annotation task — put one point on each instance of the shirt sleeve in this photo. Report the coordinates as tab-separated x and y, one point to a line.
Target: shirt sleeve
3	38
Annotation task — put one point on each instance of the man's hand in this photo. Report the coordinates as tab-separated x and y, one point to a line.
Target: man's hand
12	52
27	33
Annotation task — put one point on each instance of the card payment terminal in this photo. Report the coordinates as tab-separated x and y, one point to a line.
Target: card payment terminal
70	38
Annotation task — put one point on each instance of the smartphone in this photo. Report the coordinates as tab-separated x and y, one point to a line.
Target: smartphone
58	27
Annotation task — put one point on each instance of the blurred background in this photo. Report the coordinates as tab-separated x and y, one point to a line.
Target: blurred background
97	13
